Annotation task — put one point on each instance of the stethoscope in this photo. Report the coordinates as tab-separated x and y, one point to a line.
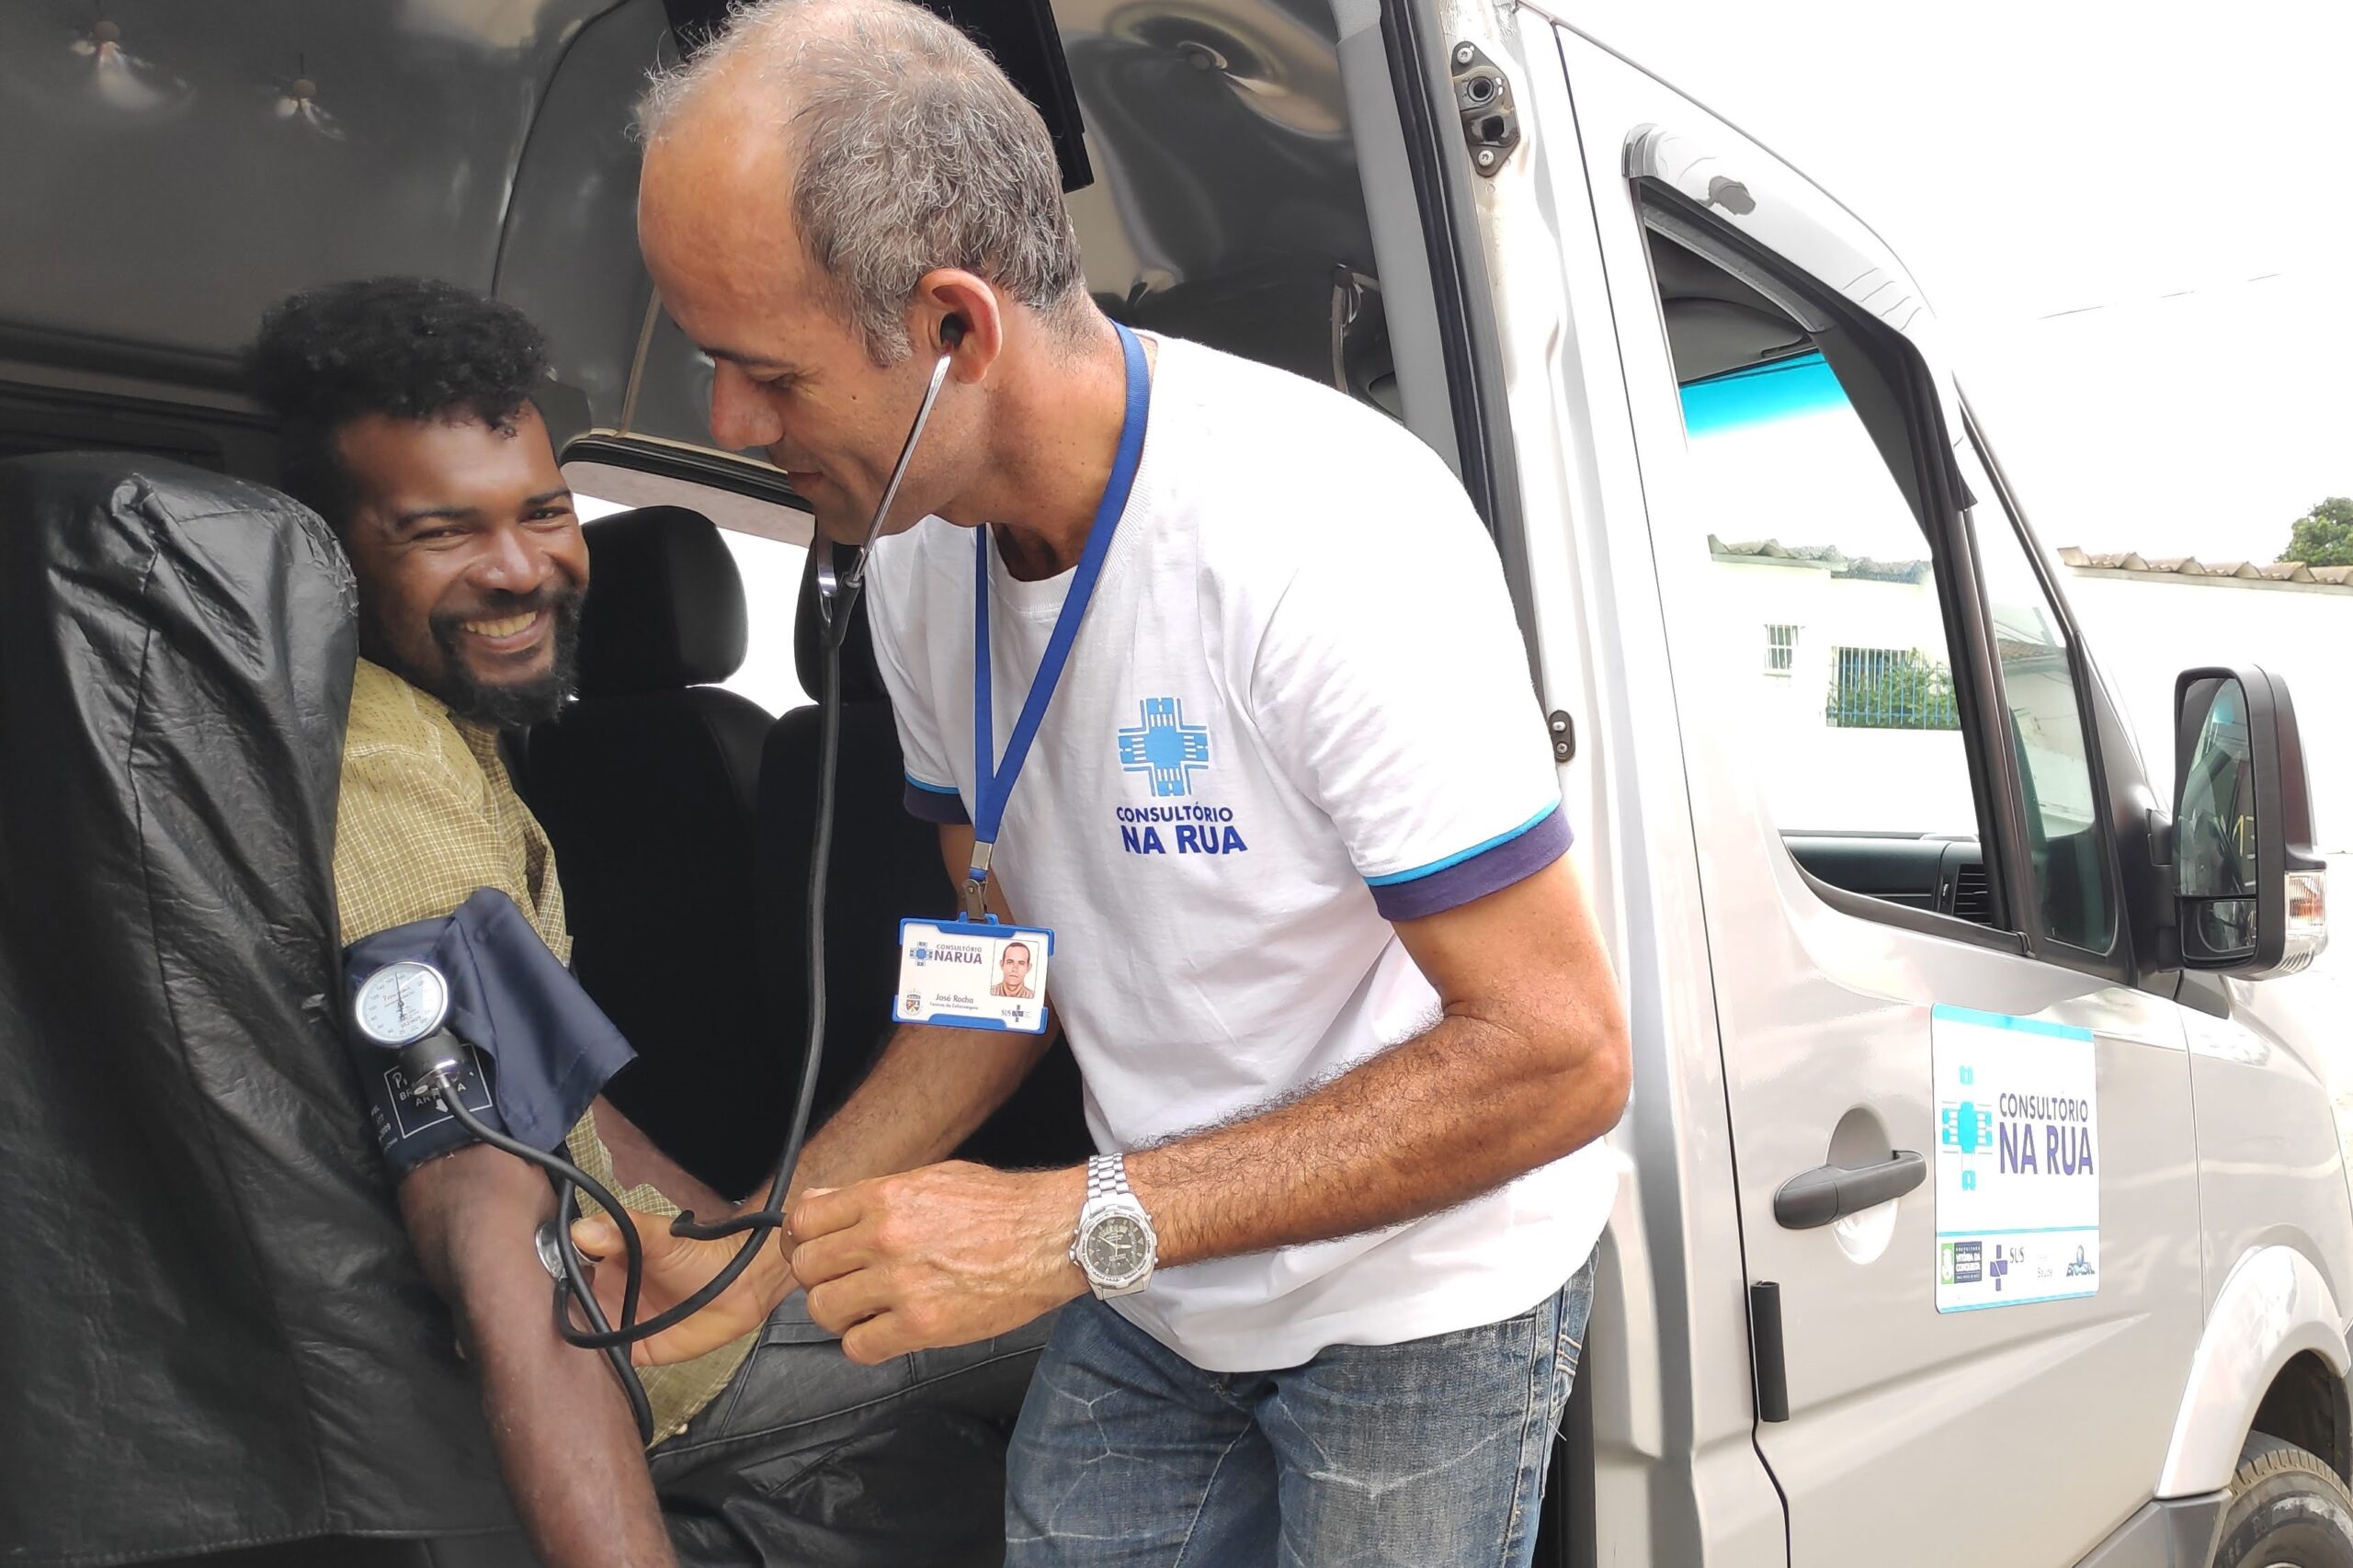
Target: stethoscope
406	1007
838	590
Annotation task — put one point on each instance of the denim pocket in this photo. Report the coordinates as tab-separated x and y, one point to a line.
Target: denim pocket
1568	1341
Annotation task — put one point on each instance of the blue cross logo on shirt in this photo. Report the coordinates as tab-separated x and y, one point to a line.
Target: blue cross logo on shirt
1165	746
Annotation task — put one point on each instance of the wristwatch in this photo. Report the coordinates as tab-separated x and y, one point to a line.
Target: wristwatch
1115	1246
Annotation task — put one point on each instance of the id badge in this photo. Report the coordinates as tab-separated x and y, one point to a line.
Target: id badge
972	975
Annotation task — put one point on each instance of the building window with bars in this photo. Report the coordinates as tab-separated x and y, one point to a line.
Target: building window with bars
1890	689
1780	650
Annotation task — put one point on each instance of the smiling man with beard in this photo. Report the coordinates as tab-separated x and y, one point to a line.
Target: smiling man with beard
406	421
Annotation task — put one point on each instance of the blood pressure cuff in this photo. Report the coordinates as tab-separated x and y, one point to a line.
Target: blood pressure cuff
538	1049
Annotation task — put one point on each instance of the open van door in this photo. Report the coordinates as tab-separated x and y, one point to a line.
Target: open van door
1960	1136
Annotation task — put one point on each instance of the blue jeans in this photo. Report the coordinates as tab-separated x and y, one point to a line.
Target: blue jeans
1430	1453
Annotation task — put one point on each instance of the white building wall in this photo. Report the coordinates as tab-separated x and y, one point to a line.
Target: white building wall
1816	775
2144	630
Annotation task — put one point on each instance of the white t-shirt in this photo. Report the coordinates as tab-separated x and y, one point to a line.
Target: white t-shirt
1299	707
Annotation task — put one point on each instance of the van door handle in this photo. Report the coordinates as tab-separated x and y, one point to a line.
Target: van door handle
1831	1192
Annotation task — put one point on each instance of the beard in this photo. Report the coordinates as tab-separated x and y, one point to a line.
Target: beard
512	705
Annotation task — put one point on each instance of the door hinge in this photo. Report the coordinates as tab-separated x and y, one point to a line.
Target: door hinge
1483	96
1563	733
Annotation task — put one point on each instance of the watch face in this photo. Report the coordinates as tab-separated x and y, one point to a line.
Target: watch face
401	1003
1118	1249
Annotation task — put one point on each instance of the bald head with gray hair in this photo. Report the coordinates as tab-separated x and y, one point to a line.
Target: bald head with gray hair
911	151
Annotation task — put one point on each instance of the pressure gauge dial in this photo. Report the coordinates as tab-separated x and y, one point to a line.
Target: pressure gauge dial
401	1004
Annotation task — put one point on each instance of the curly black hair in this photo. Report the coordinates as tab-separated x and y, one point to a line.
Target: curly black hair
407	348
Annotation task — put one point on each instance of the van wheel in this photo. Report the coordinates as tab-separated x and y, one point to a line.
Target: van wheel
2288	1509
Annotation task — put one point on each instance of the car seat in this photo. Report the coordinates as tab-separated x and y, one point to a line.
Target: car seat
886	866
647	786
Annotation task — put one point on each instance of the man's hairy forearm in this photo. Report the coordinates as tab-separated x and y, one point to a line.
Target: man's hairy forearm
1527	1063
567	1443
931	1090
1435	1122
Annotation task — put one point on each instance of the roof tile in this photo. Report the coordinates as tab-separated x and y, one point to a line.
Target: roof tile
2190	566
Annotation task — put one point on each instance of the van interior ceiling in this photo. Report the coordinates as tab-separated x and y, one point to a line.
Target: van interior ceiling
1205	151
1715	323
1020	34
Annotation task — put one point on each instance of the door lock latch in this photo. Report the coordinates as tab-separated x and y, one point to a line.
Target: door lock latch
1562	731
1483	96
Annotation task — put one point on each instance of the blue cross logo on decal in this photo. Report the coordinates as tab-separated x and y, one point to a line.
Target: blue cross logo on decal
1967	1126
1165	746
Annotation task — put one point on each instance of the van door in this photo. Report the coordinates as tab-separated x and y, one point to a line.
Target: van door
1962	1137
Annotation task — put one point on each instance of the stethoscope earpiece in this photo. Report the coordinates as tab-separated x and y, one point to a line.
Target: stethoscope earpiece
838	590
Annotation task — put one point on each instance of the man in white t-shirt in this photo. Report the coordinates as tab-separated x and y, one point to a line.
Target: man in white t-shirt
1347	1032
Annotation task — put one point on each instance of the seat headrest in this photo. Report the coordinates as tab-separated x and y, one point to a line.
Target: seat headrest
666	604
861	679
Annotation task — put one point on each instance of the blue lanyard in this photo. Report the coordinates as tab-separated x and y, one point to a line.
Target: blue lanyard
992	787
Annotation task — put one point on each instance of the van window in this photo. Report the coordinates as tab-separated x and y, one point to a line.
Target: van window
1810	518
771	573
769	562
2068	864
1805	526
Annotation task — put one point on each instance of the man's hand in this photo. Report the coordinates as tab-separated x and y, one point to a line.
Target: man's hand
676	1268
943	1256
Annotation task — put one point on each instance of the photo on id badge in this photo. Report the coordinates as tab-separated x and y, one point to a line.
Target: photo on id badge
972	975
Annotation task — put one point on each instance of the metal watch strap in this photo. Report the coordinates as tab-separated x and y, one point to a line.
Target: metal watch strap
1107	1177
1110	1200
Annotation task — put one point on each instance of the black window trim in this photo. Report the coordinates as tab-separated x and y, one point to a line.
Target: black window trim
2111	780
1968	626
691	465
2114	963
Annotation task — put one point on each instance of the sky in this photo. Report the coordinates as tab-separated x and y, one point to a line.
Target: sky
2088	192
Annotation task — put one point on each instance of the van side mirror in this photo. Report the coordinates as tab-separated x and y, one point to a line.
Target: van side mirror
2250	894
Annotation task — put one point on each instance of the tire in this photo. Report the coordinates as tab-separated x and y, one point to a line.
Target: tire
2288	1509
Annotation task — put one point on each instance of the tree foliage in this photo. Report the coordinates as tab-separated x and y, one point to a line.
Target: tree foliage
2323	535
1892	688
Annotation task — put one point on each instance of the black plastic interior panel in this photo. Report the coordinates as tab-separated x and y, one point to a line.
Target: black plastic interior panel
1903	870
1018	34
41	420
1945	875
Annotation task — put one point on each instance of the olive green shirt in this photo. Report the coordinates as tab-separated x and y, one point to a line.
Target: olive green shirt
427	817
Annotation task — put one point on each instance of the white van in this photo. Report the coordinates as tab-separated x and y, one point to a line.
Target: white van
1976	1208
